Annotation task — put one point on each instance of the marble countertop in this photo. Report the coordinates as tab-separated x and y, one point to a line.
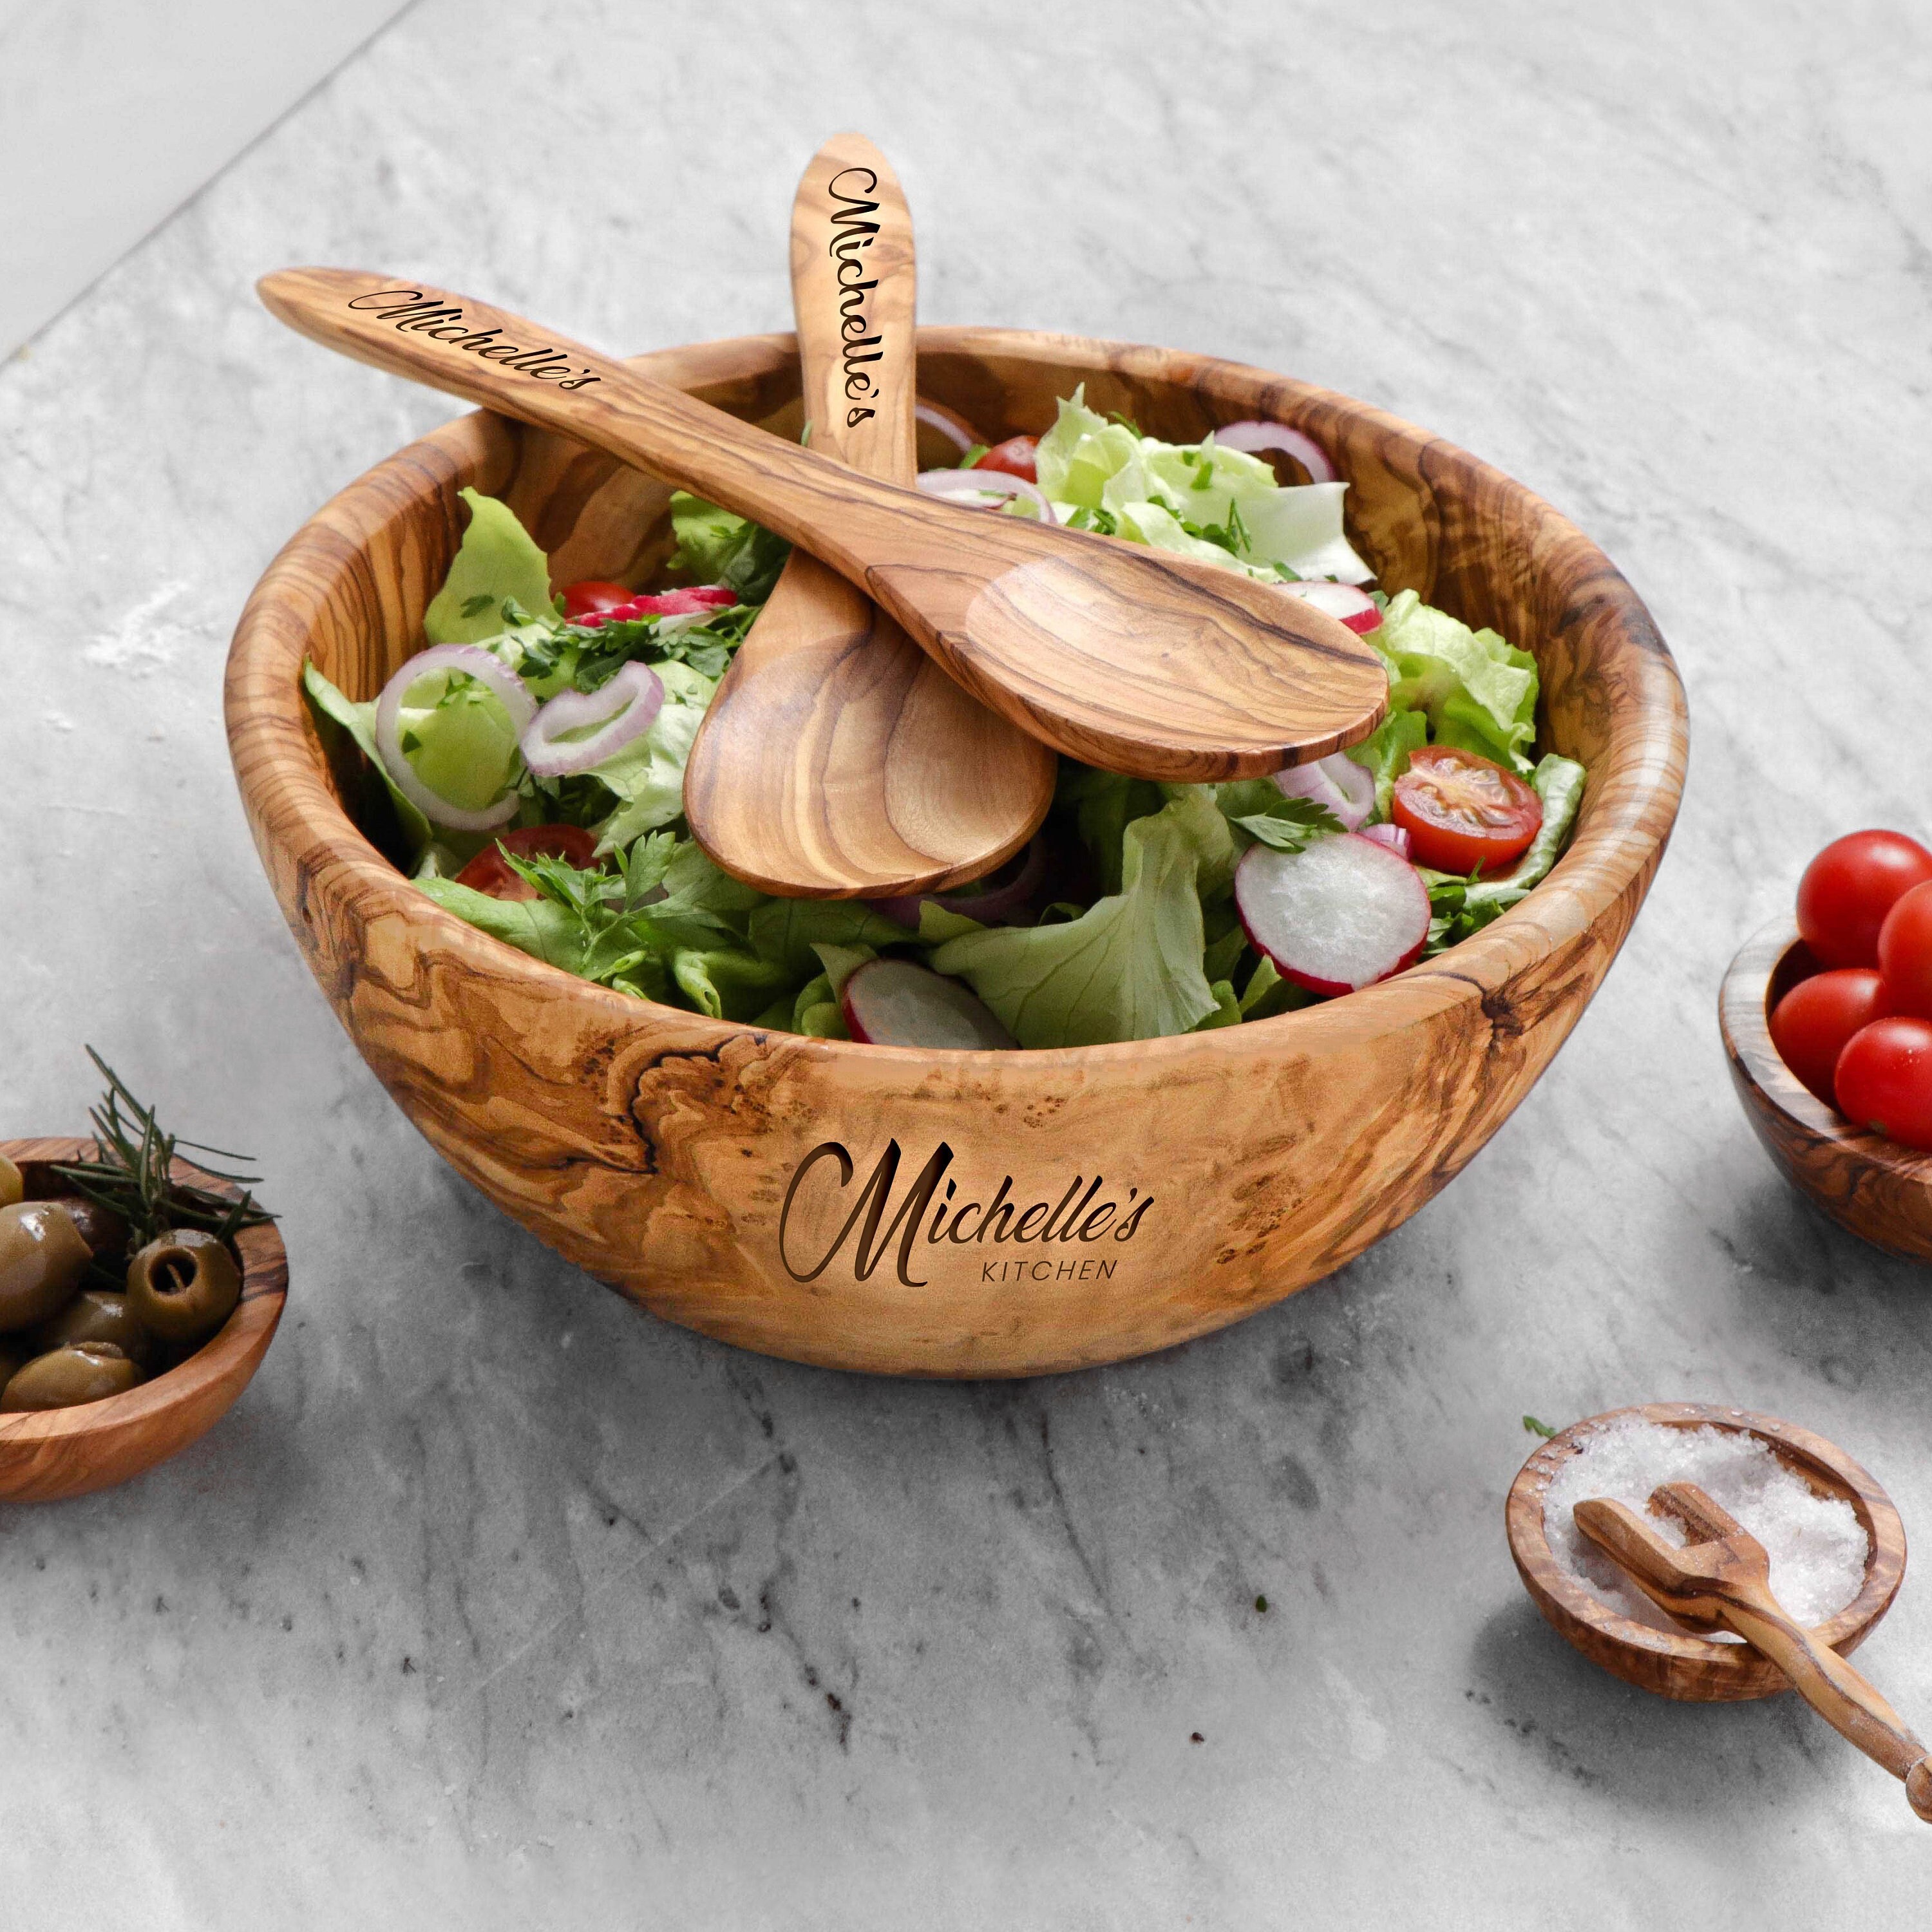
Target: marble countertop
495	1603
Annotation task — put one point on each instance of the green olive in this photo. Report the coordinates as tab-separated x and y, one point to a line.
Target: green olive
65	1377
100	1227
95	1315
12	1187
42	1259
183	1286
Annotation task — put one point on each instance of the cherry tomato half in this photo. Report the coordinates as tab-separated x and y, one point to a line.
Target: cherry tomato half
488	873
1848	888
1462	810
1905	953
593	594
1016	457
1884	1080
1813	1020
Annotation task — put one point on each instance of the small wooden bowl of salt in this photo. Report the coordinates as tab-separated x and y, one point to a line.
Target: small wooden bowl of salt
1836	1543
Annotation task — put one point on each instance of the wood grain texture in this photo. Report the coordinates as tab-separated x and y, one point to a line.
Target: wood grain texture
1684	1667
659	1149
1134	659
1874	1187
838	760
49	1454
1721	1579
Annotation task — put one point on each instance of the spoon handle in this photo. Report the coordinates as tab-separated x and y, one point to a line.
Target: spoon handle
486	355
854	286
1840	1695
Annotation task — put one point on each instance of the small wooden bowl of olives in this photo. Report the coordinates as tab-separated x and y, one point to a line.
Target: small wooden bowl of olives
109	1361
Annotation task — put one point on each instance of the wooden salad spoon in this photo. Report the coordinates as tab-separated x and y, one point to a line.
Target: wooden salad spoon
1136	659
837	761
1722	1580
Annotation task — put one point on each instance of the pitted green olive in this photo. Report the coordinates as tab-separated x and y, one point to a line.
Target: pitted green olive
100	1227
42	1259
64	1378
12	1187
183	1286
96	1315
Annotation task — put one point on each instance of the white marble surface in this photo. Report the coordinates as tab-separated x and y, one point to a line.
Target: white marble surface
495	1604
113	112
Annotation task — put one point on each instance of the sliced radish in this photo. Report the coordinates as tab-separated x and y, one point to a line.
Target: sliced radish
1343	601
893	1003
1341	913
1395	837
1336	783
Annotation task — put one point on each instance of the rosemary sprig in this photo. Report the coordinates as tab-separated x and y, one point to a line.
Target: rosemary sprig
130	1174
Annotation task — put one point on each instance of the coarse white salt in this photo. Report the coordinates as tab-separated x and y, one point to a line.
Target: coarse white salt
1817	1546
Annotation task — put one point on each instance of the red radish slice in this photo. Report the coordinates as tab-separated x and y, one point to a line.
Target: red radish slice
1341	913
893	1003
1336	783
1395	837
1344	602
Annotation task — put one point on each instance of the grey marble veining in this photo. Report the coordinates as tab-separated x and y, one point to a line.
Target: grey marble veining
496	1604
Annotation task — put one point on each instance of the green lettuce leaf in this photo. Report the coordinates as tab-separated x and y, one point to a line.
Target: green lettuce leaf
715	546
1479	693
647	776
1128	968
496	563
1221	506
791	930
539	927
359	721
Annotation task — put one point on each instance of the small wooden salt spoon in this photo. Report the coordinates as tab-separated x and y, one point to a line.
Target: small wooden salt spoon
1136	659
1721	1579
837	761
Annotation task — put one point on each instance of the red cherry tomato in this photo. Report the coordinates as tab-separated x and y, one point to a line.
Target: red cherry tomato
1462	810
1884	1080
1017	457
488	873
593	594
1813	1020
1905	953
1848	888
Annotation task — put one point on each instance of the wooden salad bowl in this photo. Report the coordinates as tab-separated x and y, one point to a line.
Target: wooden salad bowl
821	1200
1879	1190
1676	1664
47	1454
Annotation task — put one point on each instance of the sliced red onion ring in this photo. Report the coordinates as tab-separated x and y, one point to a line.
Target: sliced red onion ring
1006	889
1395	837
976	482
1337	782
624	709
956	430
1255	435
509	689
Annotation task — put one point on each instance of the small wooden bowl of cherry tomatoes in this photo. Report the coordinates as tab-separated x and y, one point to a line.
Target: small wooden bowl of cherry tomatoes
1827	1020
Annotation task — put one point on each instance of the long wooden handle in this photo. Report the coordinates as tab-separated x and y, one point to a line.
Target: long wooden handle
487	355
854	289
1840	1694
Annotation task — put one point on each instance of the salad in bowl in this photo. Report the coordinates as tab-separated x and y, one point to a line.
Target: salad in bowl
532	757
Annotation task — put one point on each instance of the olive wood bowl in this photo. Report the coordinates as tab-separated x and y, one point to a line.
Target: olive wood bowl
46	1454
1880	1191
1042	1211
1679	1665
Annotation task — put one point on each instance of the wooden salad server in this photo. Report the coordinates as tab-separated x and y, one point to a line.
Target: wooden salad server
1722	1580
1133	658
837	761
